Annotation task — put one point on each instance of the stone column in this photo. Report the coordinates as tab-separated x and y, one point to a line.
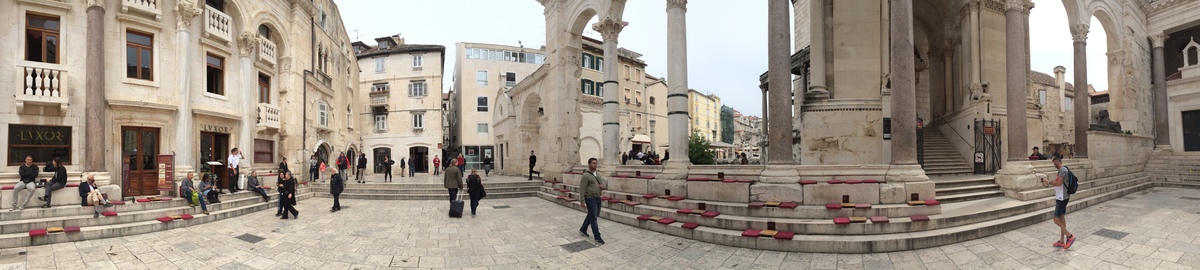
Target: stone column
185	12
777	180
677	97
817	88
1083	116
1018	82
247	41
1162	131
974	41
97	114
610	28
766	118
904	85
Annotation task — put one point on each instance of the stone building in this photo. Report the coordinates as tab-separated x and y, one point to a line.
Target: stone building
481	71
632	107
131	81
747	134
1055	99
656	112
406	122
705	111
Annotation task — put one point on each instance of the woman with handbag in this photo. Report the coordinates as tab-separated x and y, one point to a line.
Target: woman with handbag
475	190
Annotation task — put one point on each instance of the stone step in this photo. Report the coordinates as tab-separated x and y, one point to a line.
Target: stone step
409	186
929	166
129	206
971	196
966	189
972	181
1045	192
425	197
963	171
439	191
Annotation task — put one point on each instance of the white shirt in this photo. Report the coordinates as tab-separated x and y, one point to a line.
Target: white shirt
1060	191
234	160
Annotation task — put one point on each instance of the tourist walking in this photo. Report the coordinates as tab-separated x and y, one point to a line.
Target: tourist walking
287	197
487	165
1061	197
89	193
532	162
590	186
336	185
387	168
437	165
29	173
362	166
475	190
462	163
412	167
186	188
58	182
343	162
403	167
235	160
453	181
313	167
255	186
279	188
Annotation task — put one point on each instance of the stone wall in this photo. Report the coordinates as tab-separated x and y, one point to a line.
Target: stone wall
1115	154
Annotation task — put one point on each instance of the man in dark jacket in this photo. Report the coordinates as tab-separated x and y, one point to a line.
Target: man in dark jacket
487	165
283	166
29	173
58	182
255	186
336	185
387	168
90	193
532	161
453	181
362	166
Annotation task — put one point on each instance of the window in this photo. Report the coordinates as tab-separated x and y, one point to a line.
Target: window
599	64
216	4
216	74
139	51
1042	97
349	119
637	97
324	21
651	100
627	97
322	114
380	64
264	88
380	87
482	104
264	151
416	89
510	79
23	140
417	61
697	122
588	61
600	89
637	75
588	87
481	77
380	122
418	120
1069	103
481	128
41	39
264	31
626	72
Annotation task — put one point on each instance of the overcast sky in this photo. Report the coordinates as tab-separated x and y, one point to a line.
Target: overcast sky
726	43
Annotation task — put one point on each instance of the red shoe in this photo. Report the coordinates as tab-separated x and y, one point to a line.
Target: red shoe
1070	241
1058	244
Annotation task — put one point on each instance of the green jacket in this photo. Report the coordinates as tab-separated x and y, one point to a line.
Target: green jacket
590	185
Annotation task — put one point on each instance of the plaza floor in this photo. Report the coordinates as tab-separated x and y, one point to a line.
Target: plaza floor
1154	229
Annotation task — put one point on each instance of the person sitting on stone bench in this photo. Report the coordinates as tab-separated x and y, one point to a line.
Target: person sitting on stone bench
29	173
58	182
255	186
90	194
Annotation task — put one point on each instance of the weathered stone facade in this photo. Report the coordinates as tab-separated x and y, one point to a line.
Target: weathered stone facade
402	84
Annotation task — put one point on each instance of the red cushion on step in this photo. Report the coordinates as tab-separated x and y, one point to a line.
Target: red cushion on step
649	196
109	214
862	206
643	217
666	221
71	229
571	199
879	219
675	198
920	218
751	233
698	179
38	232
143	200
853	182
7	188
74	185
186	216
841	220
757	204
646	177
728	181
117	202
633	203
604	198
788	205
560	197
684	211
710	214
165	219
691	225
835	181
785	235
808	182
266	188
871	182
833	206
932	202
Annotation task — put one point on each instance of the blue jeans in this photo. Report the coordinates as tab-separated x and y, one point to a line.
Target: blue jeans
203	204
593	209
412	171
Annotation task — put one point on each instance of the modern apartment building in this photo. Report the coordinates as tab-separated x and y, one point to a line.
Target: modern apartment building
402	84
481	72
632	97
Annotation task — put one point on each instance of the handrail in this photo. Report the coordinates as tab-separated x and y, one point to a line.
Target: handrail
941	118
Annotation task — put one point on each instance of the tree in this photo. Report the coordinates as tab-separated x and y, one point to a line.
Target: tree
726	124
698	151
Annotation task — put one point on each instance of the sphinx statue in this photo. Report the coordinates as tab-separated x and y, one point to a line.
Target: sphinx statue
1105	124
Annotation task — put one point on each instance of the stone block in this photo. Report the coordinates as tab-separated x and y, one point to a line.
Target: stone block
892	193
821	194
719	192
764	192
923	189
572	179
656	186
628	185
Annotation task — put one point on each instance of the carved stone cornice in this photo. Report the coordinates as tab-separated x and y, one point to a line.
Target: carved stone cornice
677	3
1079	32
1154	6
307	6
1158	38
185	12
609	28
95	3
247	42
1018	5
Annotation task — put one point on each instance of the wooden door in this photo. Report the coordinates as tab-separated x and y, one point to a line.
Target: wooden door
140	144
215	147
1191	131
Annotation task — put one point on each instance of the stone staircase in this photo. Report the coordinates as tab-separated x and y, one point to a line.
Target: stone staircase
425	191
960	188
132	218
1175	169
941	158
815	230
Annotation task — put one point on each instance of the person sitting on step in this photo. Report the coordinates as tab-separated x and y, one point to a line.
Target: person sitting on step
254	186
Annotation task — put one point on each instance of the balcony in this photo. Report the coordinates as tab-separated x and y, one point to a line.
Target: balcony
266	51
268	116
146	7
41	86
379	98
217	24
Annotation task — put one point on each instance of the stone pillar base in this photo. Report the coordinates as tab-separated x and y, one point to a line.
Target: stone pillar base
1163	148
1017	177
766	192
779	174
660	186
674	170
905	173
816	93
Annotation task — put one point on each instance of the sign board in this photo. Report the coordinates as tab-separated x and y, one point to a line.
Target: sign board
166	172
978	157
989	129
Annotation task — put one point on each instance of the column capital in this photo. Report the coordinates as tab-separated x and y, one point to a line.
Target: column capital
185	11
1018	5
609	28
1158	38
247	41
677	4
95	3
1079	32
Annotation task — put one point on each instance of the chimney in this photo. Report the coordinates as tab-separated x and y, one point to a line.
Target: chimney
1061	83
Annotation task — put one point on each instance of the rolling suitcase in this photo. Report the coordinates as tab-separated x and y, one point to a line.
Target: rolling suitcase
456	207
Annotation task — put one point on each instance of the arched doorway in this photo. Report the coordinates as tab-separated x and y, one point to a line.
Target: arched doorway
378	156
352	155
322	152
420	158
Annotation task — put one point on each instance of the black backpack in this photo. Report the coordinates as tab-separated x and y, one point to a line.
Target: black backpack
1072	182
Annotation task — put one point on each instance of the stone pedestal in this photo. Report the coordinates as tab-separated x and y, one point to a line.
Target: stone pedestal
778	183
903	181
906	173
660	186
673	176
107	186
1018	176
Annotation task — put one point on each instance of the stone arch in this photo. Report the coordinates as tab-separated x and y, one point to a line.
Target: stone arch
589	147
531	110
275	24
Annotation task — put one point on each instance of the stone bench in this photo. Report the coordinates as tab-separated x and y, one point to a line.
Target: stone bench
68	195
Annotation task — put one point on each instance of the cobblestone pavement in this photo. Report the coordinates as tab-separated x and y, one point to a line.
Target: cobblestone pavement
1155	229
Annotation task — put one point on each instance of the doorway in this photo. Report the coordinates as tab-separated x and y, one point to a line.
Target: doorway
140	144
214	147
1191	131
379	155
420	157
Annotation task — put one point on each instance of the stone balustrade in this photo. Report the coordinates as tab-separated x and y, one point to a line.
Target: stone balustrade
217	24
268	116
41	86
148	7
266	51
379	98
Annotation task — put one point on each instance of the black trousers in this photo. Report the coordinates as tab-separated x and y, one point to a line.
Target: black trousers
288	207
453	193
337	205
531	171
233	181
387	174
